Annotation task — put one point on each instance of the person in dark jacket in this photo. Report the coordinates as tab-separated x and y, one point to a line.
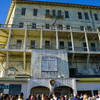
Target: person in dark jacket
75	97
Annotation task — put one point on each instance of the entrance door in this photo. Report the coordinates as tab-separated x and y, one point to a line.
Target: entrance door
40	90
63	90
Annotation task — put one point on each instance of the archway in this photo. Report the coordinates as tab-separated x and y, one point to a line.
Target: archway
63	90
40	90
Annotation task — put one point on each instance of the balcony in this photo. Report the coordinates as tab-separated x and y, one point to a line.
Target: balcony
60	17
48	16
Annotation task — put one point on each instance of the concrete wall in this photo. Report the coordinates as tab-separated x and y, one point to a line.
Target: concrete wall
40	18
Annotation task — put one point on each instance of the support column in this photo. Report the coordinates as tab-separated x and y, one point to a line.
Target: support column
25	39
7	59
86	39
9	38
24	60
88	59
72	40
57	44
41	38
98	34
74	86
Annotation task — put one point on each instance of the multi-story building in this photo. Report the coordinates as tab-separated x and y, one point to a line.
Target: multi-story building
50	47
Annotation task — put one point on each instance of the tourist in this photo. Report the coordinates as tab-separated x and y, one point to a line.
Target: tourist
98	97
75	97
85	97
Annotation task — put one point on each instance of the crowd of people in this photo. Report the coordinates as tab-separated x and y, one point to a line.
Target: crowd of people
51	97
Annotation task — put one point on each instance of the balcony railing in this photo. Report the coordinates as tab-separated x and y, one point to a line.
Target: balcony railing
80	48
51	27
15	46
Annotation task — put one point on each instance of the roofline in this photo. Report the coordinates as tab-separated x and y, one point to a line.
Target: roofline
58	4
10	10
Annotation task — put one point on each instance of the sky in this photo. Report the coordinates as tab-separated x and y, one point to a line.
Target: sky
4	5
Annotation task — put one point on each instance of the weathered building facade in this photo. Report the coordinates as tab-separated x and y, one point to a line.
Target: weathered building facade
50	47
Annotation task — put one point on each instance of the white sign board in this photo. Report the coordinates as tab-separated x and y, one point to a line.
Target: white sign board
49	63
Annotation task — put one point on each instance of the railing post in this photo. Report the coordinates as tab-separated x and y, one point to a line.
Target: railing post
57	44
86	39
41	37
72	40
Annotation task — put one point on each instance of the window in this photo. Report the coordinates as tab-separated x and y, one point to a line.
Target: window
35	12
61	44
89	28
23	11
82	28
21	25
68	27
66	14
54	13
96	16
69	45
19	44
93	47
86	16
47	12
79	15
84	46
47	44
47	26
60	27
59	12
32	46
33	25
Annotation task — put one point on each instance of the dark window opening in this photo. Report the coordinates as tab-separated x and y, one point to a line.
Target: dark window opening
23	11
47	26
33	25
54	13
69	45
61	44
84	46
66	14
19	44
79	15
68	27
93	48
60	27
32	44
47	44
59	12
35	12
89	28
82	28
96	16
86	16
21	25
47	12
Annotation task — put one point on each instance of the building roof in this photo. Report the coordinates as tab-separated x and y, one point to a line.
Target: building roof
81	2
